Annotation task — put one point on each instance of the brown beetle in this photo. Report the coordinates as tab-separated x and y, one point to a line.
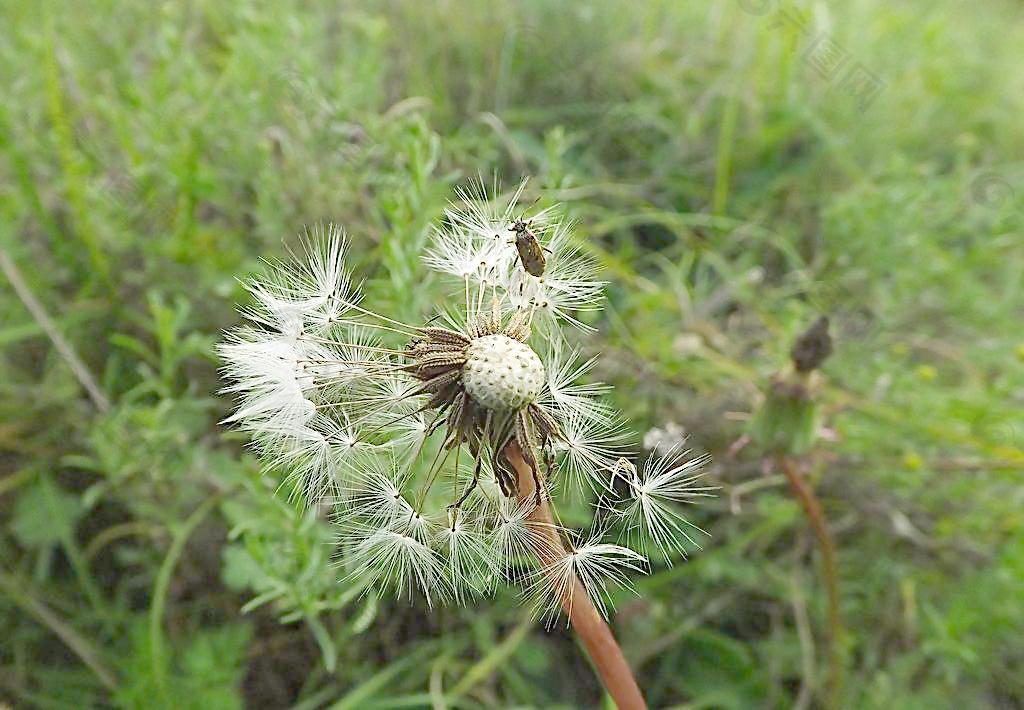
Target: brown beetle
531	253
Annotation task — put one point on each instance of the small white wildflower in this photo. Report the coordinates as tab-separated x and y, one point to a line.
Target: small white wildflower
661	440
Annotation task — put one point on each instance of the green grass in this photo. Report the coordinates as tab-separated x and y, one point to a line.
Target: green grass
151	154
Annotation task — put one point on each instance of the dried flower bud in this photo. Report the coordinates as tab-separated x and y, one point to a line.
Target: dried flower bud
812	347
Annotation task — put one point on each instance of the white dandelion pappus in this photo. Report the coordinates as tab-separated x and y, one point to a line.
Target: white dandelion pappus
468	559
590	446
517	540
377	416
401	561
594	566
567	392
312	454
655	493
375	494
266	375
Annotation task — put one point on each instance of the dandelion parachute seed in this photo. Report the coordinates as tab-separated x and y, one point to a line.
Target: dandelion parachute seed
399	559
405	429
655	494
597	568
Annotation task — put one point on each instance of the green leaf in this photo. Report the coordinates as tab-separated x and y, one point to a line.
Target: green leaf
44	514
240	571
207	673
213	666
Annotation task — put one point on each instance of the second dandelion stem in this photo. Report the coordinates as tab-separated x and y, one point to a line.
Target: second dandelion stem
812	508
591	629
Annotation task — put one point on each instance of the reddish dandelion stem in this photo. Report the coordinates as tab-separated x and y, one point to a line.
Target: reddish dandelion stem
812	508
591	629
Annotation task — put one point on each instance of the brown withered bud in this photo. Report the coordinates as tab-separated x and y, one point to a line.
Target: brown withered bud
812	347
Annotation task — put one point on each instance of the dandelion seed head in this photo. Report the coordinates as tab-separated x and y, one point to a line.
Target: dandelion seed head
501	373
404	428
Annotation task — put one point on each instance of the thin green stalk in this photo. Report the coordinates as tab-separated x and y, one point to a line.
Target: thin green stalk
487	665
78	562
723	159
75	172
360	695
162	585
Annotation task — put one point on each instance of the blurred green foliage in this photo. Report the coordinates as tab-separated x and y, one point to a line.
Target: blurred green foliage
733	190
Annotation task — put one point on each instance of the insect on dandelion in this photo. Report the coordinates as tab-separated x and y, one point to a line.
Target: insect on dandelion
440	445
